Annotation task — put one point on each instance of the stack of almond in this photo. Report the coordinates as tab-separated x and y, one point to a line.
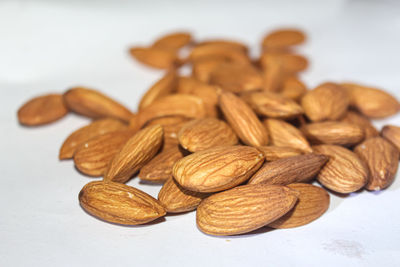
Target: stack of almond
240	140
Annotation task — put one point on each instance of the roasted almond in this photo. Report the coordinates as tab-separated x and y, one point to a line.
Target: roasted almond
206	133
42	110
382	159
344	172
244	208
119	203
173	41
312	202
297	169
272	153
392	134
137	151
362	122
155	57
218	168
293	88
283	38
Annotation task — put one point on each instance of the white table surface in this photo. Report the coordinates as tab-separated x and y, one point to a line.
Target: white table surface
49	46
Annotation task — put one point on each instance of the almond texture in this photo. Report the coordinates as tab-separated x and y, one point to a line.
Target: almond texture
392	134
363	122
272	153
155	57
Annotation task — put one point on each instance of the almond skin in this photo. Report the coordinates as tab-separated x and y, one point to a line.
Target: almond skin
42	110
286	171
137	151
173	41
328	101
93	156
333	133
85	133
293	88
273	74
313	201
290	63
176	199
203	67
244	208
243	120
272	153
392	134
362	122
155	57
345	172
218	51
202	134
119	203
382	160
283	38
218	168
286	135
226	43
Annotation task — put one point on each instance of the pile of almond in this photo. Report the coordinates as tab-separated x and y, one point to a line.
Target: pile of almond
239	140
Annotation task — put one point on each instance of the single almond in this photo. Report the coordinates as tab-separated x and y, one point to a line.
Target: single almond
85	133
333	133
283	38
297	169
155	57
218	168
328	101
291	63
225	43
202	134
137	151
362	122
243	120
173	41
119	203
93	156
293	88
93	104
42	110
202	68
224	52
273	74
392	134
273	153
382	159
244	208
312	202
344	172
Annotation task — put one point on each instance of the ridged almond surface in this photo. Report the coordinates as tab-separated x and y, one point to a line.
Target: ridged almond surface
382	159
312	202
286	171
328	101
244	208
159	169
333	133
243	120
206	133
42	110
173	41
344	172
291	63
273	153
93	156
87	132
293	88
171	125
218	168
223	52
119	203
392	134
272	105
372	102
284	134
93	104
283	38
363	122
176	199
155	57
136	152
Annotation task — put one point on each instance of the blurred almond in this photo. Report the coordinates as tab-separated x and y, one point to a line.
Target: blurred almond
283	38
155	57
362	122
273	74
272	153
293	88
203	68
225	43
218	51
290	62
173	41
392	134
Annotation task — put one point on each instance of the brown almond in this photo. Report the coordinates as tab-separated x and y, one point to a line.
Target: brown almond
225	43
42	110
171	125
297	169
87	132
203	68
273	153
312	202
283	38
205	133
218	168
273	74
290	62
119	203
293	88
392	134
362	122
93	104
173	41
344	172
219	51
243	120
137	151
155	57
382	159
244	208
328	101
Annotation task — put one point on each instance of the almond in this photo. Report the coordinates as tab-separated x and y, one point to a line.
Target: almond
392	134
286	171
202	134
173	41
244	209
290	62
219	51
137	151
313	201
225	43
283	38
218	168
344	172
326	102
85	133
42	110
382	160
243	120
155	57
93	156
202	68
273	74
286	135
362	122
272	153
119	203
333	133
293	88
93	104
176	199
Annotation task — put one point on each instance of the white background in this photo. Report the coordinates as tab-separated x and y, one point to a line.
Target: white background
49	46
